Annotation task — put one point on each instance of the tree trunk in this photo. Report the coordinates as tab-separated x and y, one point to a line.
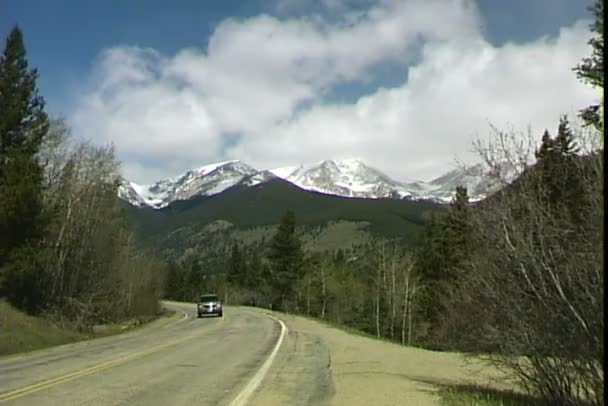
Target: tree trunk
409	313
323	291
377	310
406	308
308	297
392	294
298	296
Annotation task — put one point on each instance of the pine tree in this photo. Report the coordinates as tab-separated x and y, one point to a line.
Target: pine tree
565	142
546	149
175	282
253	279
236	267
460	201
23	122
457	232
557	163
591	70
286	258
441	259
548	158
23	126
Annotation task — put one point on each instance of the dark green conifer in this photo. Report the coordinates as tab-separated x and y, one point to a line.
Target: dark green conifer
286	258
23	126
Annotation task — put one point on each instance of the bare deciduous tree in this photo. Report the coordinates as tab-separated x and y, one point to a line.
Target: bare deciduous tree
539	274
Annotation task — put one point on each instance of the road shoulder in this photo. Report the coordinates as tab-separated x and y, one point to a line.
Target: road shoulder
319	364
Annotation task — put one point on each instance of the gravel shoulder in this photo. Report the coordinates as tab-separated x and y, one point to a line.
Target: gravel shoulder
319	364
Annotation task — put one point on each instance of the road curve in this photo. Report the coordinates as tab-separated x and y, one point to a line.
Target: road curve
209	361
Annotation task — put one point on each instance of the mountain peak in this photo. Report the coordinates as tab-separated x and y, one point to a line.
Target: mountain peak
206	180
342	177
205	169
346	177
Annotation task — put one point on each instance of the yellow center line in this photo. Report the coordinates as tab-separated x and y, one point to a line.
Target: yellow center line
26	390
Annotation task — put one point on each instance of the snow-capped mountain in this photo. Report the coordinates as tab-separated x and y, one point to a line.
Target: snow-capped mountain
129	191
257	178
347	178
475	178
352	178
207	180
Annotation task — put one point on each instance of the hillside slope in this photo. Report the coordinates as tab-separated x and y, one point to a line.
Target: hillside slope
188	223
265	203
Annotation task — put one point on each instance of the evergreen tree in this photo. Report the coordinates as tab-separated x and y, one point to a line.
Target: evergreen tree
429	255
441	259
548	158
546	149
195	284
23	122
23	126
236	271
460	202
557	163
286	258
565	143
591	70
455	232
253	277
175	282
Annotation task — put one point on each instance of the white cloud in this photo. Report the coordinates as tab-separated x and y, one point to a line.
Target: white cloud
169	113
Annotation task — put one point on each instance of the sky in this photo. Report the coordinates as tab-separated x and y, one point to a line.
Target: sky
406	86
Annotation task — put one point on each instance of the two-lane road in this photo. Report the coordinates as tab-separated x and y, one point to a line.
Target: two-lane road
208	361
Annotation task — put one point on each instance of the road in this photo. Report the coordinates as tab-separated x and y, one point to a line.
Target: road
209	361
213	361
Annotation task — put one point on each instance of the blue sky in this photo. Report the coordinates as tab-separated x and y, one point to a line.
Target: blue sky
75	46
64	37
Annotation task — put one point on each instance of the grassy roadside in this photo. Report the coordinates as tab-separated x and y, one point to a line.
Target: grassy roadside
465	395
20	332
444	376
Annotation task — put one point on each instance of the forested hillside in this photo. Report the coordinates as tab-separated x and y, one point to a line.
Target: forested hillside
209	226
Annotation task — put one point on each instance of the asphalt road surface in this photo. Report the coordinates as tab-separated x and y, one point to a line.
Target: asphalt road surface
208	361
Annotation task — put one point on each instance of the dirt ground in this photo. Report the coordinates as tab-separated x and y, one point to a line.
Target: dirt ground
318	364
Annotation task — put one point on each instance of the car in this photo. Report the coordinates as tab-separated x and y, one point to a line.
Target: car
209	304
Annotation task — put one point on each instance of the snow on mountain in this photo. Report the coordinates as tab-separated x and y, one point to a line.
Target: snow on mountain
131	192
284	172
256	179
207	180
347	178
352	178
474	178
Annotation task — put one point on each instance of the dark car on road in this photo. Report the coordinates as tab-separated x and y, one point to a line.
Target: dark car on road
209	304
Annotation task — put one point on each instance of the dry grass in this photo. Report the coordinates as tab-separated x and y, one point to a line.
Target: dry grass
474	395
20	332
367	371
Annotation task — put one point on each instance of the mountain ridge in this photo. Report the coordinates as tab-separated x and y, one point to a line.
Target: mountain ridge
350	178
